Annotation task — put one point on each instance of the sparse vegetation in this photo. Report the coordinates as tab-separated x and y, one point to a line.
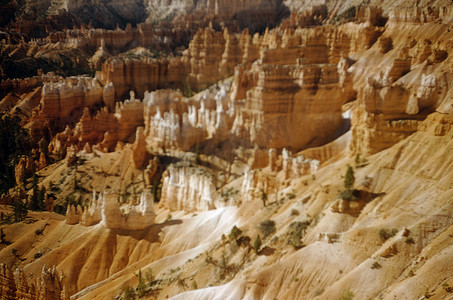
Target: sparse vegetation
319	292
294	212
291	195
347	16
349	178
257	244
263	197
347	295
187	90
267	227
349	193
235	233
141	286
447	288
376	266
128	293
295	233
19	210
410	240
385	234
14	142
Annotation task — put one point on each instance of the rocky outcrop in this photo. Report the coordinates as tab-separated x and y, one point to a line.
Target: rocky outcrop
107	209
128	217
139	153
24	169
60	100
286	97
105	129
171	123
142	75
188	189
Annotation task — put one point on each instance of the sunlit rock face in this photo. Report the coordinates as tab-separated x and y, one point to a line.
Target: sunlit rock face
294	102
107	209
188	189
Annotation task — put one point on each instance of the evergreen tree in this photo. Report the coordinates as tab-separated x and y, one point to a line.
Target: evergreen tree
20	210
349	178
257	244
14	142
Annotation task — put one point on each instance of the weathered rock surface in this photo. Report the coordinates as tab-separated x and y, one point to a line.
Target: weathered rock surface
107	209
188	189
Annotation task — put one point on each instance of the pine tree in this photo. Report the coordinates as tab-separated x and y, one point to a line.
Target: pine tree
20	210
257	244
349	178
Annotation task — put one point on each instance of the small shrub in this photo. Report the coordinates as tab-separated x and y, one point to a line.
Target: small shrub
235	233
347	295
296	231
294	212
244	240
410	240
149	276
182	283
38	255
319	292
169	217
291	195
376	266
128	293
257	244
385	234
141	286
267	227
447	288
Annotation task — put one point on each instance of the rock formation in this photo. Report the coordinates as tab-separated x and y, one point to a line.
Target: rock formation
188	189
240	133
284	101
17	286
107	209
172	124
60	100
142	75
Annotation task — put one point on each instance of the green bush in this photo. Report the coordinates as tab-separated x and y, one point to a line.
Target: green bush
294	212
128	293
235	233
385	234
347	295
295	234
267	227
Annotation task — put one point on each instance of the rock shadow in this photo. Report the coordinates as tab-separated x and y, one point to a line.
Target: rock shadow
267	251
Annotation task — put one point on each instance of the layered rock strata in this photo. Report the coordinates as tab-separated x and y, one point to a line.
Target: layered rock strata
107	209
